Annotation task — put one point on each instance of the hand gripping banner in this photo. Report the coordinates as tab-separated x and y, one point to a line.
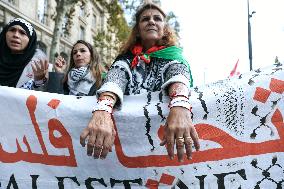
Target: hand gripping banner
239	122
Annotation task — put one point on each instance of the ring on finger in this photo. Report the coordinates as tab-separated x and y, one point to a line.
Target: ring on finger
180	139
188	140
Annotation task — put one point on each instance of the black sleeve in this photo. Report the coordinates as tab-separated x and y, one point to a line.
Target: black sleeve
55	84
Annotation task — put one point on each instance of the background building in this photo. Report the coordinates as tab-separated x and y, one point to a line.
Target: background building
87	20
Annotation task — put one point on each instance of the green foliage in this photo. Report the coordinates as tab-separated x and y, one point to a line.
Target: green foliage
116	24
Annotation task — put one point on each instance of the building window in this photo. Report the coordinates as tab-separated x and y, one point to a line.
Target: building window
82	33
102	23
94	22
82	11
42	46
64	27
13	2
42	11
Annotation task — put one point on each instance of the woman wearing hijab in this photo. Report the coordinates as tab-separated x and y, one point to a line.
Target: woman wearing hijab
21	64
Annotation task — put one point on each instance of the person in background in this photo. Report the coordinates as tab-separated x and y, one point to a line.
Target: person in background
149	61
22	65
84	75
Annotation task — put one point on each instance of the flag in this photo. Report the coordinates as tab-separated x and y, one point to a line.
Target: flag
234	71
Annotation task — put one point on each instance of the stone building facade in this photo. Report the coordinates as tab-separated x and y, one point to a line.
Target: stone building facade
88	20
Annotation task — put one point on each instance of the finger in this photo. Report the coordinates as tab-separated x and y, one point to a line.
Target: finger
195	138
98	145
33	67
58	64
83	136
106	147
46	64
164	142
91	144
180	147
112	138
188	146
170	142
37	65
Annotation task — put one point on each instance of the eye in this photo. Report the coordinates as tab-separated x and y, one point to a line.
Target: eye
145	18
12	29
74	52
22	32
82	50
158	18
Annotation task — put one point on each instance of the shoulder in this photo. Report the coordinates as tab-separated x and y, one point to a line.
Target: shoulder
124	57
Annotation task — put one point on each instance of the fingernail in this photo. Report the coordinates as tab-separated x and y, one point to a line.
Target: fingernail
171	157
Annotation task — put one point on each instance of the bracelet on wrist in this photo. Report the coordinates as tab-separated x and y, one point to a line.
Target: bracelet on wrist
39	83
180	101
104	105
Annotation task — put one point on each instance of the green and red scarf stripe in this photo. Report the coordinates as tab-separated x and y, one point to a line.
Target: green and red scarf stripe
169	53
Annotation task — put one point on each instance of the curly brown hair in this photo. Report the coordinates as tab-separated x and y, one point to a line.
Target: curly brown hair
169	38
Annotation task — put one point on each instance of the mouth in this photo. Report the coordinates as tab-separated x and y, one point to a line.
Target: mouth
15	43
151	29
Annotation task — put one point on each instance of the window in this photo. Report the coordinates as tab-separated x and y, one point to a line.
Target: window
82	33
64	27
102	23
13	2
82	11
94	22
42	11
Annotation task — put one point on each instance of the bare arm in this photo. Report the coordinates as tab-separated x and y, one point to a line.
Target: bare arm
179	129
100	133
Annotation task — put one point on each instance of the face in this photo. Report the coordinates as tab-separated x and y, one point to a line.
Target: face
81	55
151	27
17	39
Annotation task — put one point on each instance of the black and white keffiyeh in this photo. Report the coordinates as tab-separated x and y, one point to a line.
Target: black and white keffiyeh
80	80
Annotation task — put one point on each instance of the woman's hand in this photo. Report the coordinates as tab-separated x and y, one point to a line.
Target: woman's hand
180	132
60	64
40	69
100	135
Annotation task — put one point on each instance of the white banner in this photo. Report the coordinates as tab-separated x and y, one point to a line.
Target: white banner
239	122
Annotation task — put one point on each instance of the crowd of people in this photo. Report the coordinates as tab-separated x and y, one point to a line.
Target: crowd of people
149	60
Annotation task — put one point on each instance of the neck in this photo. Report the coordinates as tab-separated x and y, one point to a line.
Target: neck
148	45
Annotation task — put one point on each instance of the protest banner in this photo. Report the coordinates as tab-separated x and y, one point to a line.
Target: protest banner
239	121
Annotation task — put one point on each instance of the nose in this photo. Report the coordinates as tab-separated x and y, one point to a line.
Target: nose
16	34
78	54
152	21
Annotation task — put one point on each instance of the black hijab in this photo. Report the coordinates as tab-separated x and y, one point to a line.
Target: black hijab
12	65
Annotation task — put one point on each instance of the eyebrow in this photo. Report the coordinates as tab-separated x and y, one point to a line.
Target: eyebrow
14	27
83	48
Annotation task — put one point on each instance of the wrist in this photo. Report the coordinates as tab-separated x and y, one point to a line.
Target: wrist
180	101
104	105
40	82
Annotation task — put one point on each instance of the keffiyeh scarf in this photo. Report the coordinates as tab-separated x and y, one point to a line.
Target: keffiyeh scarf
80	80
